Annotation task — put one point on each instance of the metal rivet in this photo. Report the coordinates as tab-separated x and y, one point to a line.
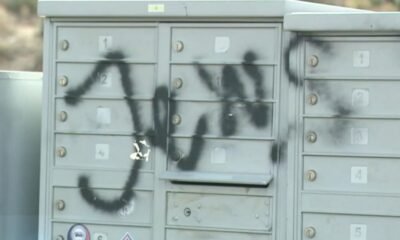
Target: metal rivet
178	46
63	81
63	116
187	212
64	45
61	152
311	175
176	119
178	82
310	232
60	237
313	61
311	137
312	99
177	156
60	205
175	218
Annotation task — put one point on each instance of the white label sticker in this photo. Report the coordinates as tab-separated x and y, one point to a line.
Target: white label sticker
359	136
361	59
127	236
222	44
358	232
360	97
105	43
359	175
156	8
128	209
100	236
103	116
218	156
105	79
102	151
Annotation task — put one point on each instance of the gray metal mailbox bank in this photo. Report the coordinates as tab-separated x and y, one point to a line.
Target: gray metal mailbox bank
219	120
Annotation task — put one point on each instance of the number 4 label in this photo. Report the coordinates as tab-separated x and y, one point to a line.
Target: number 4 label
358	232
359	175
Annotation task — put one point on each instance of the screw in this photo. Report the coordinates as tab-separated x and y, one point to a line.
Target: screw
63	116
61	152
311	175
312	99
311	137
313	61
178	83
179	46
64	45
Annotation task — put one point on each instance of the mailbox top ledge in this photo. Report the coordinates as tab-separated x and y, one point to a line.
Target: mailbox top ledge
179	8
343	22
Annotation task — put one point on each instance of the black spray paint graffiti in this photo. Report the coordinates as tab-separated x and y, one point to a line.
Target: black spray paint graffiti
162	103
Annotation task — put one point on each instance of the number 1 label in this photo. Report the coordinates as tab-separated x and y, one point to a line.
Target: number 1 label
105	43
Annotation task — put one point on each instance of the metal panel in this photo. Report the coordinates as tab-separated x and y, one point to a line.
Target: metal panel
101	116
352	175
20	104
351	227
225	119
352	97
138	211
352	136
225	44
219	211
95	42
353	57
173	234
108	80
196	78
97	152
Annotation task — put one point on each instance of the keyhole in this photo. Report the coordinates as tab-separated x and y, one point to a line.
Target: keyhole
187	212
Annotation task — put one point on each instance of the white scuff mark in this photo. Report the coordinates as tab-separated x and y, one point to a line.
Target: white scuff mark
139	148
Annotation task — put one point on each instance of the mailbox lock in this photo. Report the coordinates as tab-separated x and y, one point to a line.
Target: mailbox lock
311	137
311	175
313	61
63	116
176	119
187	212
60	205
177	156
312	99
61	152
64	45
310	232
63	81
59	237
178	82
178	46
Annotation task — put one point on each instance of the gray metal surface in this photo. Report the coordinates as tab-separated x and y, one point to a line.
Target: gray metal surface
20	103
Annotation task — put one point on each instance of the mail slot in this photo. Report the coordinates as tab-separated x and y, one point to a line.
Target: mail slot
219	211
174	234
221	43
102	116
215	82
352	97
101	151
108	80
91	42
240	119
70	206
351	136
350	227
353	57
104	232
352	174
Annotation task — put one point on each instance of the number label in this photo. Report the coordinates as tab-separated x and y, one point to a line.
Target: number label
105	44
358	232
104	78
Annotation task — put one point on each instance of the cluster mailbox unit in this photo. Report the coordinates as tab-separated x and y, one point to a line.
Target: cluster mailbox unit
219	120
